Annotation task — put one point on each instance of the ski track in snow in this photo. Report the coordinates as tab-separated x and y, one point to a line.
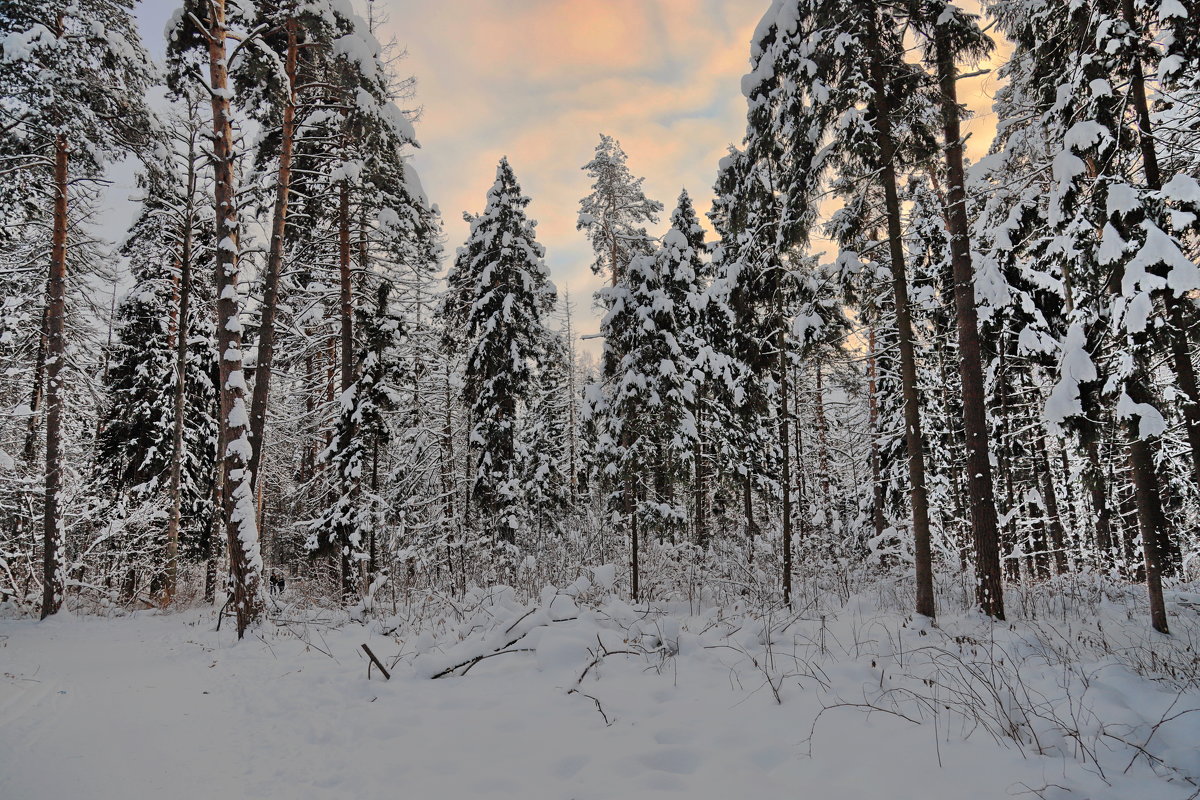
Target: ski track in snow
163	706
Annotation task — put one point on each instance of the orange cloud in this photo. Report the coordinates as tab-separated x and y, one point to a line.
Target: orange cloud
537	80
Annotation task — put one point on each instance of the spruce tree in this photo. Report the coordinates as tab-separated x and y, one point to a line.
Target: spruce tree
136	448
505	294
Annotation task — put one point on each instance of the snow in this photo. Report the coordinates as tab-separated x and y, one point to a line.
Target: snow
1172	8
1182	189
1150	420
598	699
1076	367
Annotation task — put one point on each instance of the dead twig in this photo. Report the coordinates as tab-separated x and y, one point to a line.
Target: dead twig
387	675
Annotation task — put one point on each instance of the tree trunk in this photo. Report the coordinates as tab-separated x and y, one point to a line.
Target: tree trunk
56	312
1053	517
266	329
346	546
180	410
989	584
1149	500
1151	522
802	503
182	311
39	381
785	478
878	496
214	529
572	405
631	508
918	494
237	501
700	490
748	507
822	442
1100	507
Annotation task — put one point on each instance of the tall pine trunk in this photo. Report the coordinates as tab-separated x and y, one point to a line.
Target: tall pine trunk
1050	503
53	583
237	495
266	330
989	583
1150	521
1141	459
918	493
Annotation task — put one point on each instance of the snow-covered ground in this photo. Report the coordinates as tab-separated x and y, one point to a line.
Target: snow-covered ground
720	704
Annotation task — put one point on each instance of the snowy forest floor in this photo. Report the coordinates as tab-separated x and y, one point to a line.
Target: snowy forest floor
578	695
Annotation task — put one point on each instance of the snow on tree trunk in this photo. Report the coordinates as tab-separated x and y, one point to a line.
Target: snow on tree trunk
237	496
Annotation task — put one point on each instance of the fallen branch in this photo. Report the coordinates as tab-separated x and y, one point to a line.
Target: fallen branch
376	662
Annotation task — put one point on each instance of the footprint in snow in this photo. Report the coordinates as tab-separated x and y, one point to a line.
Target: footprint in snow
674	760
569	766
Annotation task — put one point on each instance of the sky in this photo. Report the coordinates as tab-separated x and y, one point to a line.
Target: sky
539	80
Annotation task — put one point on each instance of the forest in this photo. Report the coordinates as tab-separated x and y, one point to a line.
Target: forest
877	383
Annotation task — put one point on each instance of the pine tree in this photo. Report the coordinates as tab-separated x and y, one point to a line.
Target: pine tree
74	76
204	28
357	517
280	86
952	37
372	206
686	276
615	213
736	310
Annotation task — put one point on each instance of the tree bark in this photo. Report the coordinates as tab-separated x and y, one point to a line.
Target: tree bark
1151	522
35	396
918	494
53	580
822	442
266	329
237	501
346	546
572	404
1149	500
748	508
989	583
1050	503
